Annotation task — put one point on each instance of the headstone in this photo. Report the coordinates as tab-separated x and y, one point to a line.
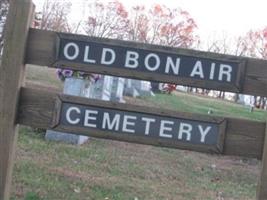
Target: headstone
138	88
84	88
75	87
117	89
181	88
129	89
145	88
241	99
102	88
106	88
247	100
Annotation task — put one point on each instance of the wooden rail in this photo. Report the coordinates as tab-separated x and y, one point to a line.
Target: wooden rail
242	137
11	78
250	75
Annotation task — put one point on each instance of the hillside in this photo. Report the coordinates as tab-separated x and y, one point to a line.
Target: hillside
111	170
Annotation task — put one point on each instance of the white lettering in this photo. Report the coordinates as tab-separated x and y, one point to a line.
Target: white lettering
197	70
111	125
75	53
225	70
88	117
212	69
104	60
148	121
174	67
131	59
203	132
72	121
127	123
157	63
163	128
185	129
86	55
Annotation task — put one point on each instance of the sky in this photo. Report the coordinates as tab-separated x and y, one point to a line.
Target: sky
215	18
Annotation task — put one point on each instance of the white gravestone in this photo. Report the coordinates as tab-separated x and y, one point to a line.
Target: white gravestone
75	87
138	88
129	89
102	89
117	89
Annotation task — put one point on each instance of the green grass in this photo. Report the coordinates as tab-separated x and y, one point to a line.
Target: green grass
42	76
110	170
104	169
200	104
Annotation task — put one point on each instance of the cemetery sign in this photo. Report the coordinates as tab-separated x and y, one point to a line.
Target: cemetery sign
151	61
136	60
115	120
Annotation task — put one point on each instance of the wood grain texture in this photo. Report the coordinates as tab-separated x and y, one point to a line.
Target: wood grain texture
255	82
41	109
253	75
42	50
243	137
11	78
262	184
44	43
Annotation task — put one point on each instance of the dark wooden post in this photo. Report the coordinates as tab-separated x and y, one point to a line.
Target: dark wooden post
262	185
11	79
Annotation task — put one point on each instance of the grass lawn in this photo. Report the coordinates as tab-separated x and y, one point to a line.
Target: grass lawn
42	76
110	170
104	169
201	104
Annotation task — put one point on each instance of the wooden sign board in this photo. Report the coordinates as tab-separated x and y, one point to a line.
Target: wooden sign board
153	62
136	60
173	130
37	109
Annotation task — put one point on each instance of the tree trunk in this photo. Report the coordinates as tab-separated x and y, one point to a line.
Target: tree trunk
236	97
155	86
262	102
221	95
255	101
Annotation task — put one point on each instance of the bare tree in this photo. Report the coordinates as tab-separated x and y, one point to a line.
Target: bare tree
162	25
138	25
109	20
227	45
54	16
